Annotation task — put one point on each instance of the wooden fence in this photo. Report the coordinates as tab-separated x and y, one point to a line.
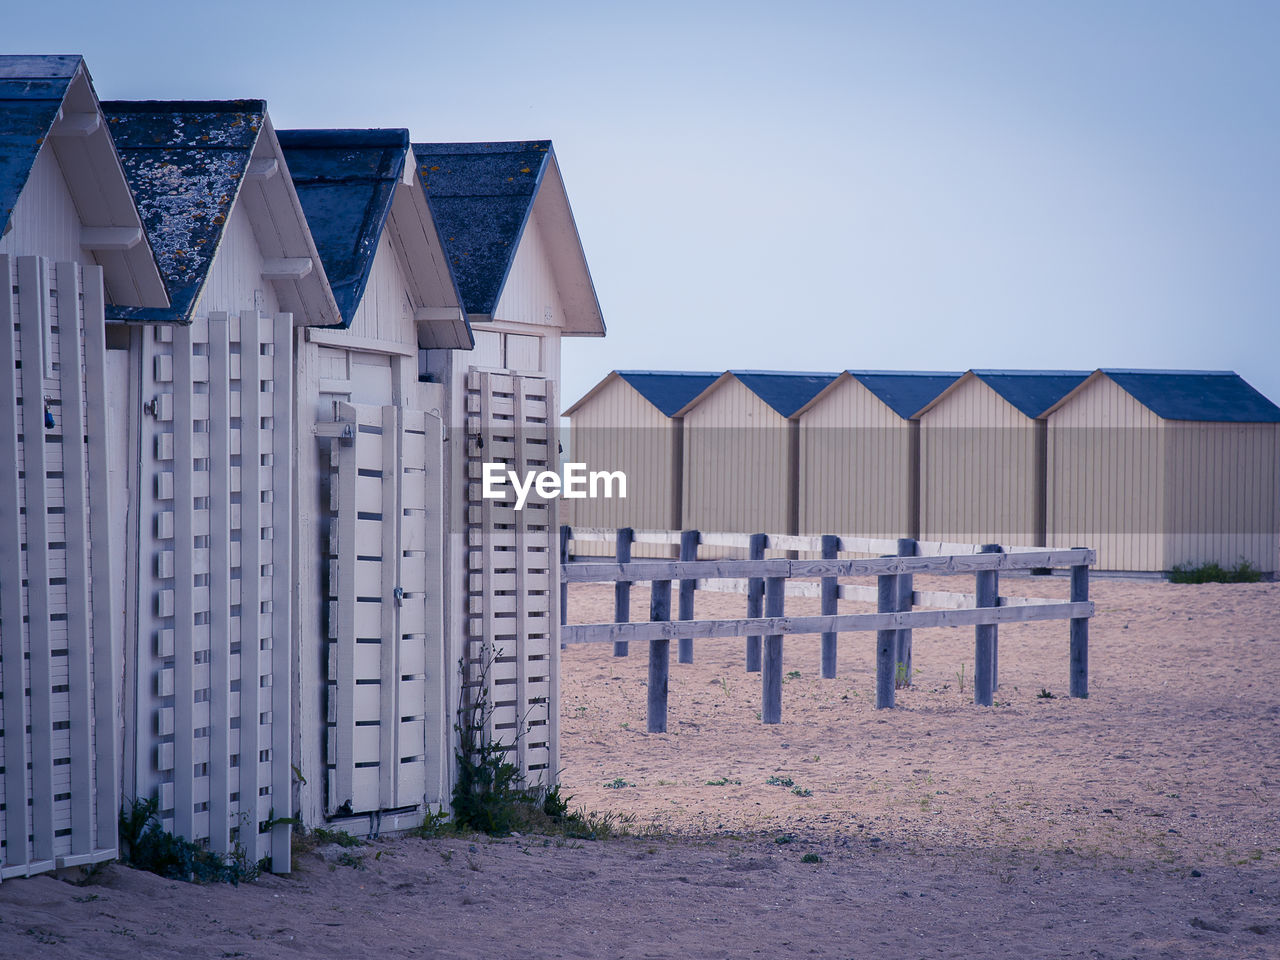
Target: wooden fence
58	769
766	582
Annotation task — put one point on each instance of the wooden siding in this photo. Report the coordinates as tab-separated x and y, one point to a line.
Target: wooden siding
45	220
978	470
856	466
386	716
1106	478
58	799
530	294
513	573
235	277
737	464
385	313
618	429
1222	494
215	581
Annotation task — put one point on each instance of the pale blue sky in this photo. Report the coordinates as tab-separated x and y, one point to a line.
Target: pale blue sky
809	185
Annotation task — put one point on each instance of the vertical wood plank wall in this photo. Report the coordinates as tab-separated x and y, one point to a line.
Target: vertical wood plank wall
45	216
213	655
1106	478
978	470
513	578
618	429
736	463
56	656
856	467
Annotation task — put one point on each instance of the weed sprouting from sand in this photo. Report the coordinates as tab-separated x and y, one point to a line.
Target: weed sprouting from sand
146	845
1242	572
723	782
960	678
617	783
811	858
802	791
489	795
1045	694
776	781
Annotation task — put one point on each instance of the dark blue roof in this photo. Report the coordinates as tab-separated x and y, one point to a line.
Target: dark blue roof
31	92
185	161
1206	395
785	392
1032	391
480	196
905	392
345	180
668	390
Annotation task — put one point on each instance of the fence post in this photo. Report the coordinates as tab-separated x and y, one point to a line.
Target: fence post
622	589
1080	633
771	679
689	540
906	593
755	599
566	533
830	606
659	657
985	634
886	640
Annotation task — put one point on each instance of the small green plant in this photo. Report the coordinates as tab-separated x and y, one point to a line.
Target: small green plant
723	782
1242	572
146	845
349	859
960	678
802	791
323	835
901	676
811	858
617	783
785	838
1045	694
791	675
776	781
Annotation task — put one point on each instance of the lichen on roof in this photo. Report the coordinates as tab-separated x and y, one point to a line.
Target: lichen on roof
481	195
185	162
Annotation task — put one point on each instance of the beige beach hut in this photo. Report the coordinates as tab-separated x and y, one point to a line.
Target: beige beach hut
982	456
741	451
860	453
627	422
1156	468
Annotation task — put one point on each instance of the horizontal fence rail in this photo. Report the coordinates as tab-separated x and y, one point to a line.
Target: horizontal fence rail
767	582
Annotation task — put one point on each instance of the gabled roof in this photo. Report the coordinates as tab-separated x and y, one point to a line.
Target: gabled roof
345	180
905	392
668	390
1209	396
785	392
482	195
1033	392
188	164
50	100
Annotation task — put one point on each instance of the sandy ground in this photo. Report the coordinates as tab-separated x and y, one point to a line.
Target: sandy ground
1142	822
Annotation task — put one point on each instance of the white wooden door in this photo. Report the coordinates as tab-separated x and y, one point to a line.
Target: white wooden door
215	580
513	571
58	795
387	719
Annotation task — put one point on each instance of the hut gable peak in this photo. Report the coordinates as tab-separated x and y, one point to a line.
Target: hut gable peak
905	392
1033	393
482	196
786	392
50	100
668	390
1205	396
189	163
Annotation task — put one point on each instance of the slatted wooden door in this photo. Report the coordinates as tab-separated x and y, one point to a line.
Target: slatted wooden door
58	772
386	712
215	582
513	571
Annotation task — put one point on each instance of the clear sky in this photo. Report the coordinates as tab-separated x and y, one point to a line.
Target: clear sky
811	185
